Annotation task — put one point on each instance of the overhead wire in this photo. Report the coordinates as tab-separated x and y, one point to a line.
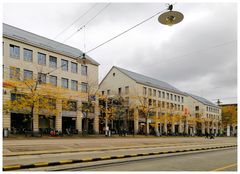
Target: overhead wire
125	31
66	28
84	25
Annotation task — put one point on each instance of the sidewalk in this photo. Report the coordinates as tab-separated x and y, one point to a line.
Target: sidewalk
44	145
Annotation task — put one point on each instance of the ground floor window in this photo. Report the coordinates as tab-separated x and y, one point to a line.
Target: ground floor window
68	124
46	123
20	123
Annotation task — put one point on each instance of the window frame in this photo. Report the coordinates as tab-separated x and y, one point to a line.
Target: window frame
39	58
26	58
64	65
62	83
74	81
12	52
50	81
51	65
76	71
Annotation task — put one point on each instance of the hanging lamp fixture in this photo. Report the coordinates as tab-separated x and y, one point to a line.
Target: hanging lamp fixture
171	17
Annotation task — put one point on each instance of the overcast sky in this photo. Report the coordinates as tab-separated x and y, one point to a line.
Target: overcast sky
198	55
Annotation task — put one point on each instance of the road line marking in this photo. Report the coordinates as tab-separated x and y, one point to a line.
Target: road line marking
12	167
225	167
65	161
87	159
40	164
105	157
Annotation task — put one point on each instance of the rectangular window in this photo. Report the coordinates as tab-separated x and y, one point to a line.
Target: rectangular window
182	100
72	105
27	55
27	74
159	94
119	91
14	73
74	85
41	59
154	103
64	83
84	70
154	93
163	104
178	107
14	51
108	92
159	104
103	92
126	90
74	67
182	107
149	102
178	98
171	96
52	62
163	94
42	78
167	105
144	90
149	91
64	65
175	97
53	80
84	87
197	108
167	96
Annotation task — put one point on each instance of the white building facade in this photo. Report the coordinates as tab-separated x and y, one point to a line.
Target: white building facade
173	112
27	55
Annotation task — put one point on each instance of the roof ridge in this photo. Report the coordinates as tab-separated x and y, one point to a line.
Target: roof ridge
142	75
155	82
41	36
43	42
196	97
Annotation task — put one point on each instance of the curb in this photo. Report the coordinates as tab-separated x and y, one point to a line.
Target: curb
63	162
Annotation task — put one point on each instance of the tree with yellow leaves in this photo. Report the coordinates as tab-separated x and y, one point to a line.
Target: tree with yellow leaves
33	96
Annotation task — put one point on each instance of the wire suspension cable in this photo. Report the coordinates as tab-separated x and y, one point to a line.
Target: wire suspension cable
84	25
75	21
125	31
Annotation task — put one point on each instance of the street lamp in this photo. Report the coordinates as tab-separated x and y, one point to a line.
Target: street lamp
171	17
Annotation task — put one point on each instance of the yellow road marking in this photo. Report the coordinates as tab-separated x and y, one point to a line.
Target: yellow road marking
12	167
65	161
40	164
87	159
105	157
225	167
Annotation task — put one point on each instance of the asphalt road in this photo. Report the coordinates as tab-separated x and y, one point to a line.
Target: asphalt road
216	160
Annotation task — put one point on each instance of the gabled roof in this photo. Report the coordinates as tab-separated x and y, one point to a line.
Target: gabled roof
42	42
202	100
148	81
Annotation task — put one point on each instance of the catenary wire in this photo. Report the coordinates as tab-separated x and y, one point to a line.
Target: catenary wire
85	13
84	25
125	31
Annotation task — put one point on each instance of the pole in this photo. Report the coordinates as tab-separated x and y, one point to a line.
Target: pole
106	120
